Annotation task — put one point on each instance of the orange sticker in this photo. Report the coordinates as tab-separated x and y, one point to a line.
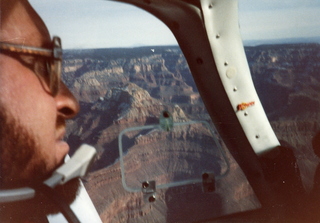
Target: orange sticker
244	106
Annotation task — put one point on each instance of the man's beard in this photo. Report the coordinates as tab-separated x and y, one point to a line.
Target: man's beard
22	165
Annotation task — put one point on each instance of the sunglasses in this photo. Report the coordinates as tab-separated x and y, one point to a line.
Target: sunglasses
46	63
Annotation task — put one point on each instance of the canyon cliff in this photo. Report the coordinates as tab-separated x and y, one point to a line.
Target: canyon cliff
124	88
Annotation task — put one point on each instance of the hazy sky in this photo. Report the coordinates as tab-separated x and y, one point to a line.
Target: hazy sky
100	23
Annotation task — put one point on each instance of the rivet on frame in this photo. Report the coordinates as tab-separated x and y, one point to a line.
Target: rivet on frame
226	63
257	136
199	60
246	114
235	89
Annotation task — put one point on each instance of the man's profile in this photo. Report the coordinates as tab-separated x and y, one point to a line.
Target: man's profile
34	105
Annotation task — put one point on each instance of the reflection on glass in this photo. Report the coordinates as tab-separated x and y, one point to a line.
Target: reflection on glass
170	158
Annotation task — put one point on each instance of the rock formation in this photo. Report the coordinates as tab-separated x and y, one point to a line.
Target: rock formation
122	88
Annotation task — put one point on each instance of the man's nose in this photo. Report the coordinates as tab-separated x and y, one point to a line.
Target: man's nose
67	104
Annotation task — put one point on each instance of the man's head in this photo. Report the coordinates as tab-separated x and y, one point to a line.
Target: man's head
32	119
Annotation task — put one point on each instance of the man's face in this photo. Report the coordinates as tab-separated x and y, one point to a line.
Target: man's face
32	121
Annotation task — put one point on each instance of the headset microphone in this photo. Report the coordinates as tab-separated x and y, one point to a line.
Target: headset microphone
77	166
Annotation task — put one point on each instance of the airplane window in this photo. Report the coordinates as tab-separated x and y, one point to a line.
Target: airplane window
127	71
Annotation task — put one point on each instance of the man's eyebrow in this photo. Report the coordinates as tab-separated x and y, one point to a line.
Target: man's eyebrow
17	40
47	44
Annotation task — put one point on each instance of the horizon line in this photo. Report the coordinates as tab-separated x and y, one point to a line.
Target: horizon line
253	42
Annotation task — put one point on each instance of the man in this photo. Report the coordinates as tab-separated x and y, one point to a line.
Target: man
34	105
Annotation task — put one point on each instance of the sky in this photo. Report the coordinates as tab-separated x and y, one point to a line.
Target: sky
102	24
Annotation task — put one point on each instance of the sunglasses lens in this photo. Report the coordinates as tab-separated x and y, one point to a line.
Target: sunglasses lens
56	63
43	72
49	73
47	63
55	76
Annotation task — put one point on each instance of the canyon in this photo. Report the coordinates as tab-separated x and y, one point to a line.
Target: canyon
131	87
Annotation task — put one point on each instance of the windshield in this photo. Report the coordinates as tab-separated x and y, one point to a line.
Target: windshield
129	75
